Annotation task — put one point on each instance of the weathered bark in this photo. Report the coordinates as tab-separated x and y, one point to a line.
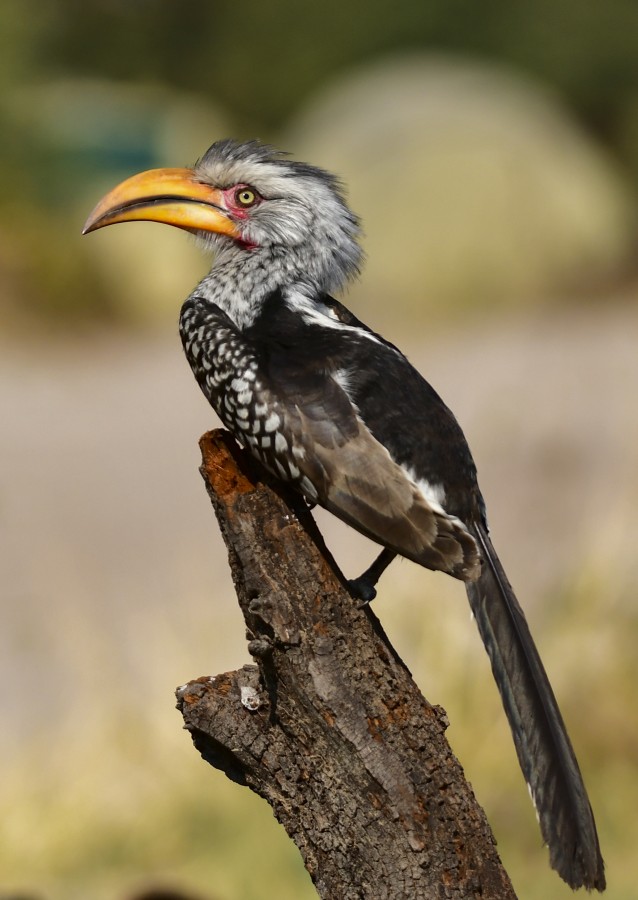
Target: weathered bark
329	726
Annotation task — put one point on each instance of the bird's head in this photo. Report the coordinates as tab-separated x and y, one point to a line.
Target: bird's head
248	198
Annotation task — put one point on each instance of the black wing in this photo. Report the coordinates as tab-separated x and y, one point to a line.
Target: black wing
311	375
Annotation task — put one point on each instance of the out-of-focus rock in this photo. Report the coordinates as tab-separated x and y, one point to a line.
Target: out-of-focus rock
474	185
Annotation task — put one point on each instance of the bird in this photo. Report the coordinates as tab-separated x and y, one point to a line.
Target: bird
337	412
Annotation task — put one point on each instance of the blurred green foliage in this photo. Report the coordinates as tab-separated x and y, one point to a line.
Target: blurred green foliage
262	59
256	65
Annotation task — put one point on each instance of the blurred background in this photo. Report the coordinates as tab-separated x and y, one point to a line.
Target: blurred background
492	151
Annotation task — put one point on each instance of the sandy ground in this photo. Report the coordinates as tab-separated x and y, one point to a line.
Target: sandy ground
112	566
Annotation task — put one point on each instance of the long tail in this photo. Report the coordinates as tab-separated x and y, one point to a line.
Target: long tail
543	747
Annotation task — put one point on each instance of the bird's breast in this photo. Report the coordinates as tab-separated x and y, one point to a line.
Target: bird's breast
227	370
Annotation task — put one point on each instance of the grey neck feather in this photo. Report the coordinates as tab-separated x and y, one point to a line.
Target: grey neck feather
240	280
303	233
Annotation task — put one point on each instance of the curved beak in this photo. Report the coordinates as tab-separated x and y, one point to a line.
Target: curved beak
172	196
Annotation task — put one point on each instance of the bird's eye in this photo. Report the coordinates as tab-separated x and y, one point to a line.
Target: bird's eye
245	196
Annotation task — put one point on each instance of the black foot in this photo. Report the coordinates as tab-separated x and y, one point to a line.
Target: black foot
362	589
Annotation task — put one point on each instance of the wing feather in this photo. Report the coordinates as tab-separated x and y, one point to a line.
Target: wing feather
356	479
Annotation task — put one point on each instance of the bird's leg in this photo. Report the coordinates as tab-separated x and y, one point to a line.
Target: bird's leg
363	587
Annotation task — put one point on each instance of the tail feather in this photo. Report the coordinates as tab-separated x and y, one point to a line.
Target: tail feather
543	747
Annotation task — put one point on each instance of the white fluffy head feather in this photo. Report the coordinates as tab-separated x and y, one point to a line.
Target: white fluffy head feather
303	224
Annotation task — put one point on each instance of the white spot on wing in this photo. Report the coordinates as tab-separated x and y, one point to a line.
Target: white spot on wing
342	377
308	488
434	494
315	314
531	795
272	423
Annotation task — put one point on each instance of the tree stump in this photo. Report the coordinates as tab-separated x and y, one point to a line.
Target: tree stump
329	726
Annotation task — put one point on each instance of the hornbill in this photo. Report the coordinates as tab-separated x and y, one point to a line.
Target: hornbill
329	406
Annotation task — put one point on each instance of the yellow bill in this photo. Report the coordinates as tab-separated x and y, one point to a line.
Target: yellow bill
171	196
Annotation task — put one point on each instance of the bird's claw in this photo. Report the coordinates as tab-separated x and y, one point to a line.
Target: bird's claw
361	589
